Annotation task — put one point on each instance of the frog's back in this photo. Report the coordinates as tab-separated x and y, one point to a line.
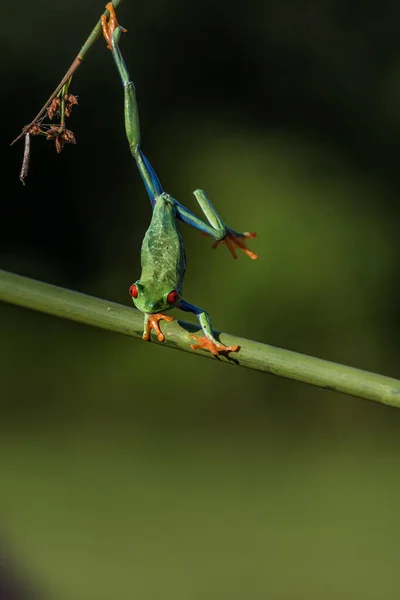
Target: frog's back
163	254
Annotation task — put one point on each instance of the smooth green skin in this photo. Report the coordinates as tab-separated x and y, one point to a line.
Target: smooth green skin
163	259
163	254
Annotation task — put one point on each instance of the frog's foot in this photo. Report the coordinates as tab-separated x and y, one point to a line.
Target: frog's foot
234	240
211	345
111	25
152	323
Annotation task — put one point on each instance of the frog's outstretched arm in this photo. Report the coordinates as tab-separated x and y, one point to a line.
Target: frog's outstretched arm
216	227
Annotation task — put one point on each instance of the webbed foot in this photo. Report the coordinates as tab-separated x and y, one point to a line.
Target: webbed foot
111	25
234	240
152	323
211	345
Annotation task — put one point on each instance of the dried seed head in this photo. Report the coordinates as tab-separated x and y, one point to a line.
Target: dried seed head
69	100
53	131
69	136
54	108
60	136
35	129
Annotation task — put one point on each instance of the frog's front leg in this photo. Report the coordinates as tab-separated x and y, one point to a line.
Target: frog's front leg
151	322
208	341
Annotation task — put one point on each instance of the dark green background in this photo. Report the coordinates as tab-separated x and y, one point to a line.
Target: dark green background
131	471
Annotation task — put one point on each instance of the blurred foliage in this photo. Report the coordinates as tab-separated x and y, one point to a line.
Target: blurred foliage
129	470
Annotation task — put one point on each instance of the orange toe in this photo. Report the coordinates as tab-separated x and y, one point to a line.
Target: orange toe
234	242
152	323
111	25
208	344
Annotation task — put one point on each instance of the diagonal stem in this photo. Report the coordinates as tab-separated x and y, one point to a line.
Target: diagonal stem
81	308
75	64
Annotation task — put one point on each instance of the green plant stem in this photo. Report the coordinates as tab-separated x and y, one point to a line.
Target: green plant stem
67	304
68	75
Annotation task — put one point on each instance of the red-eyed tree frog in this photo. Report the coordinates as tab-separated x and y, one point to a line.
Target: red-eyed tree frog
163	256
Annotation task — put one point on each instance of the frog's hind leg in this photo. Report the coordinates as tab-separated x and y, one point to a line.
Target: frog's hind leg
112	33
216	227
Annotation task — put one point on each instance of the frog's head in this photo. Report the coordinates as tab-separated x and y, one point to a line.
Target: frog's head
153	300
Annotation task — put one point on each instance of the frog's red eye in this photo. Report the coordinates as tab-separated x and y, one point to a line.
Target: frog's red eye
133	291
172	297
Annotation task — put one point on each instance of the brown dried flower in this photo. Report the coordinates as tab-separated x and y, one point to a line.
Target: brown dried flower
61	136
54	108
69	100
35	129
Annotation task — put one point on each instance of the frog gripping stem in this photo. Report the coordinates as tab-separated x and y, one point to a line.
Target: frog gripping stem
215	348
151	322
110	25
